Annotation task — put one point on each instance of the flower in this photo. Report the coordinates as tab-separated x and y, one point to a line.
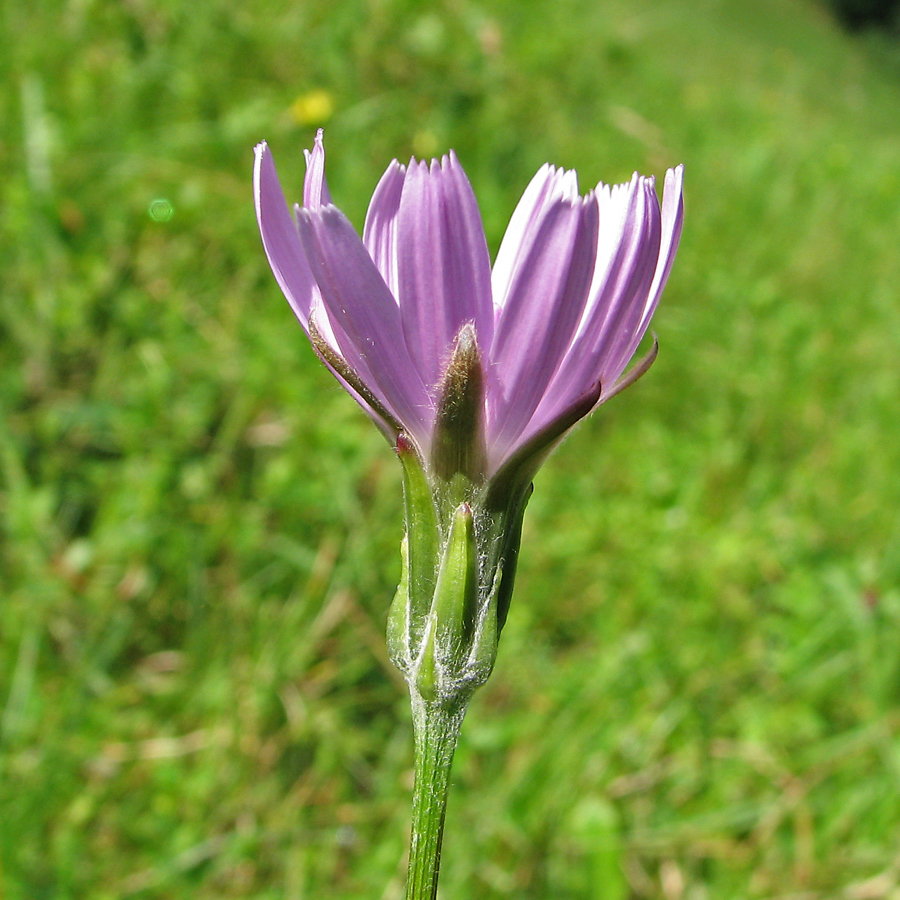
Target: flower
473	373
433	343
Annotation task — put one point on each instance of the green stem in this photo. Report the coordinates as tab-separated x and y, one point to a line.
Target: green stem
436	729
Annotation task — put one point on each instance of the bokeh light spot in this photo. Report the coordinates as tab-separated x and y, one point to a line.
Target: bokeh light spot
161	210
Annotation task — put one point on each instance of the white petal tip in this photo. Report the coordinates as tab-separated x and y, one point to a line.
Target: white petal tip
675	177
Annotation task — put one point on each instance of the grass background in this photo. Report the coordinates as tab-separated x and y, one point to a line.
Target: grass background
696	693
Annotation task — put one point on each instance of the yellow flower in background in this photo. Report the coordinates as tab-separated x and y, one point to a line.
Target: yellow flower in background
313	108
424	143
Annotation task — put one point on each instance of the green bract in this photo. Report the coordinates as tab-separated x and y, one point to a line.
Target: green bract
458	567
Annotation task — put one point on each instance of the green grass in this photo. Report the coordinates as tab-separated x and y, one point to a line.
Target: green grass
696	693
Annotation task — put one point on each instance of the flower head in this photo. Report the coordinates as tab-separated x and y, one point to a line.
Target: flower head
399	314
473	373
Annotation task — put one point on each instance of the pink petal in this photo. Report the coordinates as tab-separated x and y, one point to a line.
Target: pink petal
380	231
524	218
629	248
443	266
622	322
545	298
672	220
364	316
315	188
280	239
672	223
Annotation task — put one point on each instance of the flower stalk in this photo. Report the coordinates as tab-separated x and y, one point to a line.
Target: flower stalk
436	732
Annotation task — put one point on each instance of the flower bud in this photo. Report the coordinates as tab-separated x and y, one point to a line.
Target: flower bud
450	651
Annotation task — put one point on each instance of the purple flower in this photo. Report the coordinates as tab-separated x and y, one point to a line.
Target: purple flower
418	327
